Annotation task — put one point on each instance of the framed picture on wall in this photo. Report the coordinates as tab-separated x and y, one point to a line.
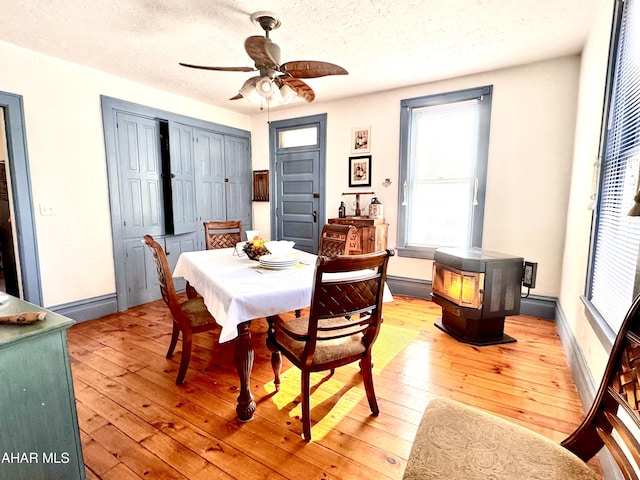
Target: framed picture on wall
360	171
361	140
261	185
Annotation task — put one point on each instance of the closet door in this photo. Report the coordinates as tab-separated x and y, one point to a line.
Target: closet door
238	179
140	272
141	196
210	162
182	180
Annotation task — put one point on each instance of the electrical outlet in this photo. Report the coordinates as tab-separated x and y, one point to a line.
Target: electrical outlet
529	277
47	209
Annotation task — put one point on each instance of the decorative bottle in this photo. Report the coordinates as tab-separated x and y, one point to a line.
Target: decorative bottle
342	210
375	208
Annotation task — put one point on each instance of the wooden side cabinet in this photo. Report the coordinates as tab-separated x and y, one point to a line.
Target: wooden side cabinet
372	233
39	435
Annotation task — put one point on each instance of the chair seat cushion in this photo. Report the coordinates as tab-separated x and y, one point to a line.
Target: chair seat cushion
197	312
457	442
326	350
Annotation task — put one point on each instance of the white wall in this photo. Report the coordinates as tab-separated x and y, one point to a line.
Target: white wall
530	154
68	165
587	139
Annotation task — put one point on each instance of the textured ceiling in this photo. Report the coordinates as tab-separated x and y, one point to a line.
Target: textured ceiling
383	44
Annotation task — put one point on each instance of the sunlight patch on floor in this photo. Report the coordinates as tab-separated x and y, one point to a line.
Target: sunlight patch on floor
326	391
391	341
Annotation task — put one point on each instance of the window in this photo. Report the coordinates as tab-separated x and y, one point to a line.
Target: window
444	144
614	276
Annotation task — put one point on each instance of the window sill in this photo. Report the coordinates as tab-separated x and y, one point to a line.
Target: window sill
603	331
416	252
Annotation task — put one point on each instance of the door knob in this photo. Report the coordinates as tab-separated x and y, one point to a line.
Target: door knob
315	217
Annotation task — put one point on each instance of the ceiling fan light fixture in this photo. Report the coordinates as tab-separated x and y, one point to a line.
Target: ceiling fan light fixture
250	93
288	93
265	87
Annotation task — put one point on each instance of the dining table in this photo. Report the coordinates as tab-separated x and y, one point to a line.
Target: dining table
237	290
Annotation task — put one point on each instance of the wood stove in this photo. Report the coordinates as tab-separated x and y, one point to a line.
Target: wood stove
476	289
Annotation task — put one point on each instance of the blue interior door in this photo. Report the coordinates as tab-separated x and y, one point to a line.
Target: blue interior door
298	152
298	200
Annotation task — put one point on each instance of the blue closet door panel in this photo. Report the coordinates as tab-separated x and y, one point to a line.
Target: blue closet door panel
210	156
140	183
140	272
239	179
183	178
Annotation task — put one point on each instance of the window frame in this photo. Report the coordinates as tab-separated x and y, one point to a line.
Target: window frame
603	330
484	93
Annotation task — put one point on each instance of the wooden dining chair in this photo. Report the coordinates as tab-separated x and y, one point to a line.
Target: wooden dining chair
222	234
343	323
189	317
455	441
337	239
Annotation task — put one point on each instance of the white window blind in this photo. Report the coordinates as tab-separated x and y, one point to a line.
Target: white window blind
617	236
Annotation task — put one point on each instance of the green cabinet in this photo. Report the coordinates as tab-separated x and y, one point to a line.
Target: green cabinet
39	435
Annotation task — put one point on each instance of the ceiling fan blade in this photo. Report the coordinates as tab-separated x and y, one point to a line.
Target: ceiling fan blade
303	90
262	51
221	69
312	69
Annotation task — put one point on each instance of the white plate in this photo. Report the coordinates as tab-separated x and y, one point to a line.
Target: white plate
279	262
275	263
278	267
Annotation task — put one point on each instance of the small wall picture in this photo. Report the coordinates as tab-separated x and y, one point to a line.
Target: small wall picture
261	185
360	171
361	140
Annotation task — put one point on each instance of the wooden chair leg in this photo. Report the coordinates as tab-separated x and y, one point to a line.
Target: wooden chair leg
276	365
186	357
366	367
306	411
174	340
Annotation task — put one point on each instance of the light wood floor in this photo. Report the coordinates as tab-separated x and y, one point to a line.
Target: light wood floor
137	424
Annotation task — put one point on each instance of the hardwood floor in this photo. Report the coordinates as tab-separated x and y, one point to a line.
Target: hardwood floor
137	424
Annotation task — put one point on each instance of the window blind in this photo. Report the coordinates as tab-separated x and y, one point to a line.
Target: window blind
617	236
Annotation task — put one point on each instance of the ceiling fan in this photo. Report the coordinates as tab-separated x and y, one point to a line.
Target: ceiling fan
277	83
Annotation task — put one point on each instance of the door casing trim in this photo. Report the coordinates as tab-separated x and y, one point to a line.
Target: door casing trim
27	244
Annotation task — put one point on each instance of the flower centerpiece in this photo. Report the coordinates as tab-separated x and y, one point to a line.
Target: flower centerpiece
255	248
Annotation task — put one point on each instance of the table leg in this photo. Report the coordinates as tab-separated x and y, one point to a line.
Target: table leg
276	356
243	357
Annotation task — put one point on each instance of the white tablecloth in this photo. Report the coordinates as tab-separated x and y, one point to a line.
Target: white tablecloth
235	289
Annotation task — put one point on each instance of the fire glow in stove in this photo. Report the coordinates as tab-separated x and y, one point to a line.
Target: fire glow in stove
476	289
